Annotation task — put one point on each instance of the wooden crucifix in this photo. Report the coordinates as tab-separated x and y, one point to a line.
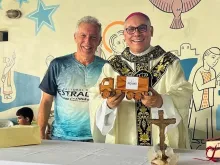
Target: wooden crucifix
162	123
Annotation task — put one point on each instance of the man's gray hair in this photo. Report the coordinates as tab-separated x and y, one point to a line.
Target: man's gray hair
90	20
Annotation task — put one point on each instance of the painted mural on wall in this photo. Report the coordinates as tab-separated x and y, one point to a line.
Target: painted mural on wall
113	38
27	92
7	77
202	113
188	56
117	42
176	7
16	89
43	16
21	2
49	58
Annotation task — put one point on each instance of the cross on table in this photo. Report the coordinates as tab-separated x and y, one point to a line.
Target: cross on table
162	123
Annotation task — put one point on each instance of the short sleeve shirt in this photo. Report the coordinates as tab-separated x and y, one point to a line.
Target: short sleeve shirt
68	81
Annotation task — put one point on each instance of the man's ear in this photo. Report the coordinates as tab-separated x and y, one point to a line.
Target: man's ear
152	31
75	36
27	119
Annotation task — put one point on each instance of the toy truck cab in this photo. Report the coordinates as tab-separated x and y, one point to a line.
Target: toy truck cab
106	87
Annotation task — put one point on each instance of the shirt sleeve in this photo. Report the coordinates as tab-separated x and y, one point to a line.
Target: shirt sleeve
105	118
48	84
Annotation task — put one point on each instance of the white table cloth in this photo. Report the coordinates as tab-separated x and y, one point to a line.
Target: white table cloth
82	153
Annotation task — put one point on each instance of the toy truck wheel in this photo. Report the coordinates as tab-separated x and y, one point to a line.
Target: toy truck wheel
137	96
129	95
105	94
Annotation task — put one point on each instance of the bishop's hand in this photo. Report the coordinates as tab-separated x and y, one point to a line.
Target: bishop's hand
154	100
115	100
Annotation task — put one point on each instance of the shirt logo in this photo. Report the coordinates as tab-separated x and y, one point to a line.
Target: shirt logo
80	95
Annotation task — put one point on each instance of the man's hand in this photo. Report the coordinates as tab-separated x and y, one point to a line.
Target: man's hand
42	134
153	101
44	113
115	100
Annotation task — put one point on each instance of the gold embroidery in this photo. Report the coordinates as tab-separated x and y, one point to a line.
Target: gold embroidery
144	129
124	70
144	137
143	109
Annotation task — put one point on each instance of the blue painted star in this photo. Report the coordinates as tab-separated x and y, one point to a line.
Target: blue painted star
0	4
21	2
43	16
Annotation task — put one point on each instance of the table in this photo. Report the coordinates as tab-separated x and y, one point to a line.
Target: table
82	153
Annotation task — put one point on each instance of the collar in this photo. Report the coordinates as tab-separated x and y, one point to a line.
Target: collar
149	54
142	53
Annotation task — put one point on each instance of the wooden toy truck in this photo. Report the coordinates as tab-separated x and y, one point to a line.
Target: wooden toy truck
132	86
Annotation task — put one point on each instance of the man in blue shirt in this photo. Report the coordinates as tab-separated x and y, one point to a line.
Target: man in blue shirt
67	81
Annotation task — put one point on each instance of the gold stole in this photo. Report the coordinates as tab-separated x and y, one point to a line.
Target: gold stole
142	70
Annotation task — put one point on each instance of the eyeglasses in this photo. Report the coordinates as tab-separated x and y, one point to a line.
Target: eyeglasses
132	30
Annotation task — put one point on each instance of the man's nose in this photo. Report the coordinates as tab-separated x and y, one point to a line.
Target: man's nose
88	39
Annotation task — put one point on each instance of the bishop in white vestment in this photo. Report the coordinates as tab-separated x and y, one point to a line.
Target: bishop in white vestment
126	123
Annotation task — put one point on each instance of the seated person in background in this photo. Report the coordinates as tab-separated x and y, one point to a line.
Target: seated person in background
25	116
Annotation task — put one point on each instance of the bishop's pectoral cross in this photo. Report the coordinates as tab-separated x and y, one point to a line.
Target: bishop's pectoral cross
162	123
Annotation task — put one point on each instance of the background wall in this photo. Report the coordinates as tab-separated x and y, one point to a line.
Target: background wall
46	29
